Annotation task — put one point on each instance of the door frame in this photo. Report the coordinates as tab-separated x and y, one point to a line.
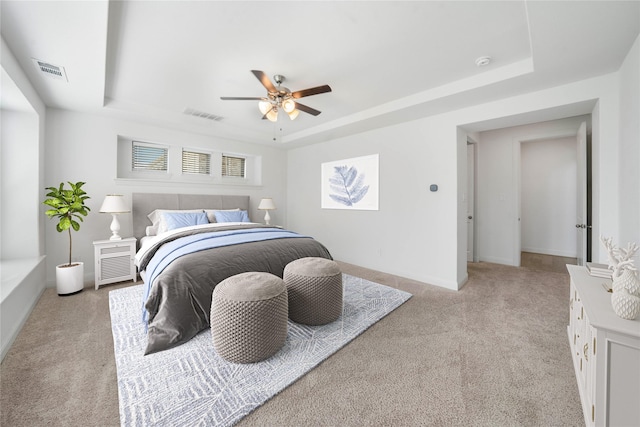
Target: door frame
474	207
517	190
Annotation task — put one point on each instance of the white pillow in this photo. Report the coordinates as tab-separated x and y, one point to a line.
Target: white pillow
211	213
157	220
152	230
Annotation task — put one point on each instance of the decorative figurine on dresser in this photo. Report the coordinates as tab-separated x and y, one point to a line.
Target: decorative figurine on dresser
625	298
604	337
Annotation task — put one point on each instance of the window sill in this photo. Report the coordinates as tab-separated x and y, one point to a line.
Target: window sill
180	183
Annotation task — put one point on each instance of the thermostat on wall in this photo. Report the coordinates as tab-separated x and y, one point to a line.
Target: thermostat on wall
433	187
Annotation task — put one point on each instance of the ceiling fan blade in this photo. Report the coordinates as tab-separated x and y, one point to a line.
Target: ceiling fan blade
311	91
242	98
264	80
307	110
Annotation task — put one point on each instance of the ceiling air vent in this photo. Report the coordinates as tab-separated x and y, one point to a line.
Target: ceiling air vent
52	71
202	114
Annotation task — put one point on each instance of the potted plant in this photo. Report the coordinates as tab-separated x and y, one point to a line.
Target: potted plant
68	205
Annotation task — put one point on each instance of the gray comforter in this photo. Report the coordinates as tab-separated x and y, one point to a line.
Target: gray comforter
179	300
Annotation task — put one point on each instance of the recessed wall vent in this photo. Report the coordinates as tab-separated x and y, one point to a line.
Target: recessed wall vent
202	114
51	71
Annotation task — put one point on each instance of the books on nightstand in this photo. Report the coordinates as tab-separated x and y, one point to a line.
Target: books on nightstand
599	270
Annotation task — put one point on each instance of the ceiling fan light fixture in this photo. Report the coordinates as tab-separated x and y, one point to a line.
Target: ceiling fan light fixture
293	114
272	115
264	106
280	97
289	105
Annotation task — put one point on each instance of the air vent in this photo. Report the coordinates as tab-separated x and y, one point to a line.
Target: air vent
51	71
202	114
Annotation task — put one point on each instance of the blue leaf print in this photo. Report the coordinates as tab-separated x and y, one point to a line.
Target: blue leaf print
347	185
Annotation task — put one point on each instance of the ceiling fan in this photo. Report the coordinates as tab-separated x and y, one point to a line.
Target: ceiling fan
280	98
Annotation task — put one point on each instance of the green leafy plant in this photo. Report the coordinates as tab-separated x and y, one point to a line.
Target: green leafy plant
68	206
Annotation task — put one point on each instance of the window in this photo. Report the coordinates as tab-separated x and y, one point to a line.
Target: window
195	162
233	166
149	157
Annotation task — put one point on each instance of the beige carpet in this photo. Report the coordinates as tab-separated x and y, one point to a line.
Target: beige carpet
493	354
545	262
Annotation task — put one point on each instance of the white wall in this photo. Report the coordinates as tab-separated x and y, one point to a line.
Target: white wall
548	196
83	147
20	213
413	234
24	130
23	272
629	171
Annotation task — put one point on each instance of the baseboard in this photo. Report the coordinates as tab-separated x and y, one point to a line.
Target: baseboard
553	252
427	280
497	260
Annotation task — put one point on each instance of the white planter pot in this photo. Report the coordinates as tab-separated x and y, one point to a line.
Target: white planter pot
69	280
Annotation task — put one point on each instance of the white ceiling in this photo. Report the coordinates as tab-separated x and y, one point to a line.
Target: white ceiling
386	61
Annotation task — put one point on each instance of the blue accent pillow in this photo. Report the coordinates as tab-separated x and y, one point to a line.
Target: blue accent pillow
231	216
179	220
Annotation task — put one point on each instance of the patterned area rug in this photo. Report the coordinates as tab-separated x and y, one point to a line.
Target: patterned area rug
191	385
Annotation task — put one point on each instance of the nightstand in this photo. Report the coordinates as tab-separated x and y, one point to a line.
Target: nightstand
114	260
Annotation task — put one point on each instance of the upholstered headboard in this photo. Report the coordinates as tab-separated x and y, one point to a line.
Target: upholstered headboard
143	204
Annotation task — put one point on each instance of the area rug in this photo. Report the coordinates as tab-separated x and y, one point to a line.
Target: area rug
191	385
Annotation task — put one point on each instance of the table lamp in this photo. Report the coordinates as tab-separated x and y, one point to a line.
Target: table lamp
267	205
114	204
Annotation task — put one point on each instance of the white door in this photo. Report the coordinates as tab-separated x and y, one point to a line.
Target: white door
470	199
581	194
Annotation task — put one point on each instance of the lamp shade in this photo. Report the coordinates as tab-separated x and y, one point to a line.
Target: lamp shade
114	203
266	204
272	115
293	114
288	105
264	106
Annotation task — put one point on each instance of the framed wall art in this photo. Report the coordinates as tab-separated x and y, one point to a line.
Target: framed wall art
350	183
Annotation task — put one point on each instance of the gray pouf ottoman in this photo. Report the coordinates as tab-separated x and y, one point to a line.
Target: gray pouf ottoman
314	286
249	313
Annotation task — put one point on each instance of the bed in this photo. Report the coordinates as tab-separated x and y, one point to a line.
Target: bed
183	257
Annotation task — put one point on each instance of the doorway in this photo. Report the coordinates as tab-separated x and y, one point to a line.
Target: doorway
498	211
553	200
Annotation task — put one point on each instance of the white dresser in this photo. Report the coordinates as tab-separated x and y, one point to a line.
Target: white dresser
606	353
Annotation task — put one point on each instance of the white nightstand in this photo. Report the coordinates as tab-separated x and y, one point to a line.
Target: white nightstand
114	260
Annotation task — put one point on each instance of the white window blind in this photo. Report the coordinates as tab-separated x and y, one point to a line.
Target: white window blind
233	166
149	157
196	163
